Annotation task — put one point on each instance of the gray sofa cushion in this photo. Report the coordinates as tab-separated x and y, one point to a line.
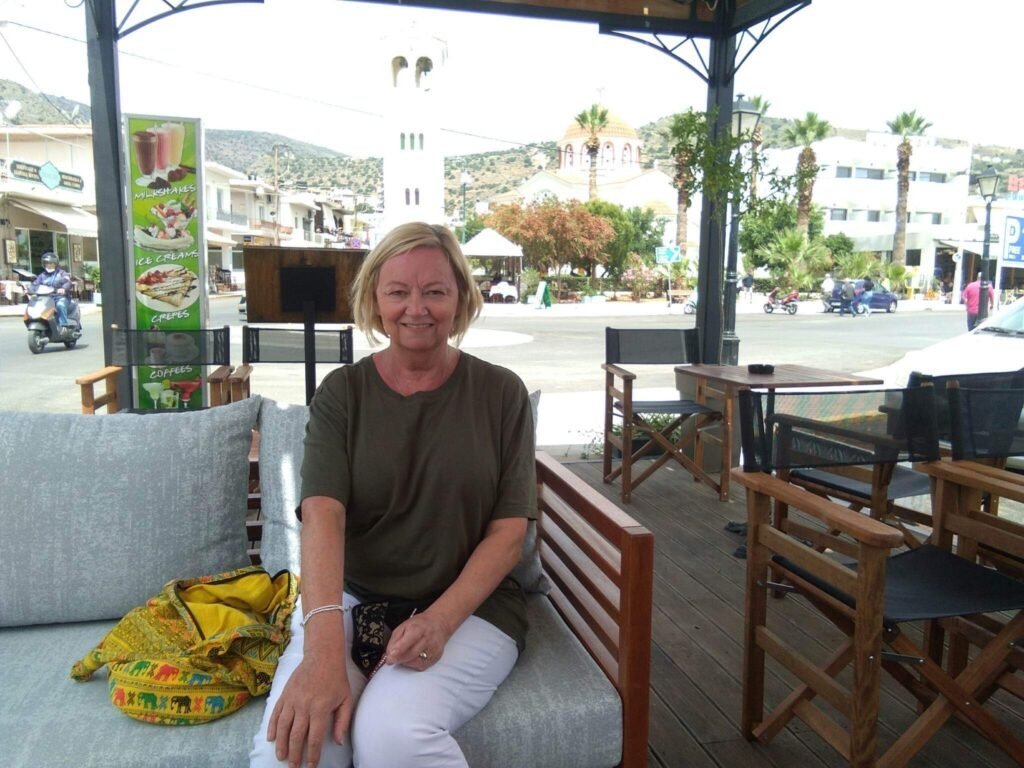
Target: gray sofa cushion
74	725
134	502
556	710
282	430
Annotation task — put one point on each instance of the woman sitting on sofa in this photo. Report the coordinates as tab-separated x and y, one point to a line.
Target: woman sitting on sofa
417	483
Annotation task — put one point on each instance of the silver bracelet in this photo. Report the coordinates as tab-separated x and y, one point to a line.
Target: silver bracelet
322	609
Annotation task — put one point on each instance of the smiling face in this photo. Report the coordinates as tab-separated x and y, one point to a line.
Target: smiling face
417	299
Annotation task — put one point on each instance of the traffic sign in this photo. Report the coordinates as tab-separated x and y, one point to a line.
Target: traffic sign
670	254
1014	239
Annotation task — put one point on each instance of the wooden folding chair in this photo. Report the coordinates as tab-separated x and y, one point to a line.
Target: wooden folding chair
847	573
649	346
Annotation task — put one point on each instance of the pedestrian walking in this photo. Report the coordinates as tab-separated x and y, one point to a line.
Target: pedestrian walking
748	287
971	298
846	295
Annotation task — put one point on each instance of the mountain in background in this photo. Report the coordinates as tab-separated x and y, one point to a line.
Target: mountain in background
301	165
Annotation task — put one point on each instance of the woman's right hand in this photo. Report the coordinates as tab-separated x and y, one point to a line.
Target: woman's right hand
317	699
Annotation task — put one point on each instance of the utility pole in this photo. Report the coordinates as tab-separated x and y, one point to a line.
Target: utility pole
277	201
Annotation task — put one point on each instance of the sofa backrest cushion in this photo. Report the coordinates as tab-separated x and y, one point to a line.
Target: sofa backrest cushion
102	511
282	431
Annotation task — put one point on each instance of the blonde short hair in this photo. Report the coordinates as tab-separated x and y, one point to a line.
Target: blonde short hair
398	241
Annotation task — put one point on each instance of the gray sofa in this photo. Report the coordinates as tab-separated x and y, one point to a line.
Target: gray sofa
142	500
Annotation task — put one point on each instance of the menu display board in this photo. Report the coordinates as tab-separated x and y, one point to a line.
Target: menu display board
165	197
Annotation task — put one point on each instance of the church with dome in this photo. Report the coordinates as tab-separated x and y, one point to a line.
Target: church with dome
621	178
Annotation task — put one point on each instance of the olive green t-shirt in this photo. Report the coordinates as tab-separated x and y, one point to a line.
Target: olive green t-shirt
421	476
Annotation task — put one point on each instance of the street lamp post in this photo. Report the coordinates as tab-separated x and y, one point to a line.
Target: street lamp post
745	118
987	181
466	179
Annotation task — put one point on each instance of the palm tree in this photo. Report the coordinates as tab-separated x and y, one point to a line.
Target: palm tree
804	133
906	124
686	133
762	105
593	121
795	261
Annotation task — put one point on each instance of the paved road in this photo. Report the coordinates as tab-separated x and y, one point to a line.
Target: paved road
558	351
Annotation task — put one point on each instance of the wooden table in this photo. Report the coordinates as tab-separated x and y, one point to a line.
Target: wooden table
723	382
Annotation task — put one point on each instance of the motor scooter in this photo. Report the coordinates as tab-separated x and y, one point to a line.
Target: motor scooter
41	317
788	303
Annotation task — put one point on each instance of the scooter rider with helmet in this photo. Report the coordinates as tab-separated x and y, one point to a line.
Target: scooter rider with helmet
56	278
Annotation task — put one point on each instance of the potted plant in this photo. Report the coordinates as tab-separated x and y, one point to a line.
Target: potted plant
657	420
92	283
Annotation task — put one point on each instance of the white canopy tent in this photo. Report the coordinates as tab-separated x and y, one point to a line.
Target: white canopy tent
489	244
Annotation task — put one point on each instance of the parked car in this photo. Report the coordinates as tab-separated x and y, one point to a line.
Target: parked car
995	345
881	299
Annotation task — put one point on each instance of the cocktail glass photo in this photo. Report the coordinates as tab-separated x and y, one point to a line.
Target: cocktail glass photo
154	389
169	399
144	145
187	387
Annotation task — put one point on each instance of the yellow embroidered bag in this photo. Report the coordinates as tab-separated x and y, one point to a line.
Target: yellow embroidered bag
198	650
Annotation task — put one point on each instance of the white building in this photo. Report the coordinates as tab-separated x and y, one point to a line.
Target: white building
856	187
621	179
47	199
413	162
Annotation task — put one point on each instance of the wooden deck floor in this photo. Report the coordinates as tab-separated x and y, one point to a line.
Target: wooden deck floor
698	651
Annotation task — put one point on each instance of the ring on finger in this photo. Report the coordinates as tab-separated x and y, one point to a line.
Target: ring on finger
424	656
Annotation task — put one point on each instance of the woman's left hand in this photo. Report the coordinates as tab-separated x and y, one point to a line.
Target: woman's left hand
418	642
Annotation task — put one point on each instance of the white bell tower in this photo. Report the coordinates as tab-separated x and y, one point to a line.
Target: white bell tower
413	162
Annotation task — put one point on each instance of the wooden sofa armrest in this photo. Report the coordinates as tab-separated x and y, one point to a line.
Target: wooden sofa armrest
865	530
601	565
90	402
240	383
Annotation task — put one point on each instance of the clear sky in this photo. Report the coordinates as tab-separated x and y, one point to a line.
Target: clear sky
315	69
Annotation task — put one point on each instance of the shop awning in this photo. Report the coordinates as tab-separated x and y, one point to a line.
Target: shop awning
216	238
74	220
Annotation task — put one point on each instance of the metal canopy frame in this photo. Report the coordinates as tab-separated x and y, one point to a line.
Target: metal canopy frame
733	29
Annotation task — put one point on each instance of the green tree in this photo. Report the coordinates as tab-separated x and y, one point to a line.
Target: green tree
686	133
593	121
703	163
473	227
804	133
859	264
617	251
648	232
839	245
905	125
767	216
762	105
554	234
796	262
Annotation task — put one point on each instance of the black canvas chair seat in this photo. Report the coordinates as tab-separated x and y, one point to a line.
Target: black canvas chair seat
966	581
932	583
905	482
668	407
626	417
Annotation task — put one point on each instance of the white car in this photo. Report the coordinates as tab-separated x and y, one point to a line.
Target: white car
995	345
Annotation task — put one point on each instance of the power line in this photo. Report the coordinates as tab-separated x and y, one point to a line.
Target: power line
246	84
29	76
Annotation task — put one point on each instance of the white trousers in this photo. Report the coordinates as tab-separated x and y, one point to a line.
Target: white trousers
403	717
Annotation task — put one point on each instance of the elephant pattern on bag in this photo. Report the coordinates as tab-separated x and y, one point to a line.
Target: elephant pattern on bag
214	704
181	704
166	672
147	700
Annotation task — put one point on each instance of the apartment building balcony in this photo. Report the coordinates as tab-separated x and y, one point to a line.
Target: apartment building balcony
229	217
